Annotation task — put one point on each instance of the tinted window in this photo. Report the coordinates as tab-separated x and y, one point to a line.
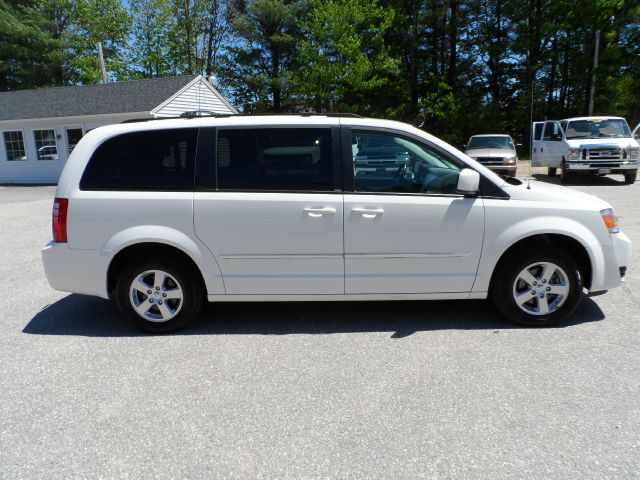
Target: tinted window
552	131
273	159
538	131
387	163
153	160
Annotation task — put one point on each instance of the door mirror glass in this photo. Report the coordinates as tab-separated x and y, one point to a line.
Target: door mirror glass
468	181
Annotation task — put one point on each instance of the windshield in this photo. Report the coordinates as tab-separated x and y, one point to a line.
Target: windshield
599	128
490	142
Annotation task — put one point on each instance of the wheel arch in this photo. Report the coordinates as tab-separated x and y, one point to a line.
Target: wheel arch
148	249
566	243
152	239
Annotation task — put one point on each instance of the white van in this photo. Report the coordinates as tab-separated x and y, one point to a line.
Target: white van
585	145
163	215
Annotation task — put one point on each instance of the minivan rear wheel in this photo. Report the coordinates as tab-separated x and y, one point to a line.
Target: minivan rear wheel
541	288
158	295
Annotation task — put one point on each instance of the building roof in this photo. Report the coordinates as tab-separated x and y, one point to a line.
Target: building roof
117	97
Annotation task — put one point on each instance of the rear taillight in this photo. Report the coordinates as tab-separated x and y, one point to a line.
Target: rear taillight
59	219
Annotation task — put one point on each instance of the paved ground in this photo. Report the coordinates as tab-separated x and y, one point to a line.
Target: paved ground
439	390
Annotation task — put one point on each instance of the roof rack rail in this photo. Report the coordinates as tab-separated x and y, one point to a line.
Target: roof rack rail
208	113
204	113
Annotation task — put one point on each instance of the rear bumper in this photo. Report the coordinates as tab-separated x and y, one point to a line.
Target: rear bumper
76	271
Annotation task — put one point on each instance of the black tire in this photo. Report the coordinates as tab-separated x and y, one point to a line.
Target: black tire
630	178
504	287
565	176
178	274
552	171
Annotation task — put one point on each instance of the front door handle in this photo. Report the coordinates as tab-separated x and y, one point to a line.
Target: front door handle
319	212
367	212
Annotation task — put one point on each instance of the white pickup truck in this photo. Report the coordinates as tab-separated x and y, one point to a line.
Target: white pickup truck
598	145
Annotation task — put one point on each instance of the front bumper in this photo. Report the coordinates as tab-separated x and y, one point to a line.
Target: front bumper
509	168
627	166
76	271
615	256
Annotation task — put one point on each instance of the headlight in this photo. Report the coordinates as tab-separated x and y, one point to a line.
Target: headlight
510	160
633	153
573	154
610	220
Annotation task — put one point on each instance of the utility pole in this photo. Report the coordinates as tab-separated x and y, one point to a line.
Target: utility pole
596	51
592	93
105	79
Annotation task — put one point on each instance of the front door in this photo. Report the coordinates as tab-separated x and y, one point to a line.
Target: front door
551	146
406	229
536	140
274	223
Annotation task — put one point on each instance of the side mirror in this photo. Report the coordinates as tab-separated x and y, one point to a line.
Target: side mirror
468	182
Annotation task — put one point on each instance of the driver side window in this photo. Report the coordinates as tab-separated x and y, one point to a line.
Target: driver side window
384	162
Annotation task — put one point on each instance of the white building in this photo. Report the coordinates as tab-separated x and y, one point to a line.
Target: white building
39	128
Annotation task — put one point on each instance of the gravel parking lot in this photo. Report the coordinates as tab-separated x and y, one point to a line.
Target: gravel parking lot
435	390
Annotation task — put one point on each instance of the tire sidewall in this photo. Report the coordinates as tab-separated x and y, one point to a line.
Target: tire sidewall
191	289
565	176
503	287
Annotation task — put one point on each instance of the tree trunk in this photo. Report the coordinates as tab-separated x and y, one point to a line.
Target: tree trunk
552	76
453	40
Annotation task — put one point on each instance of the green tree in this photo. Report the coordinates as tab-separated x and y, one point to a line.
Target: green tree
149	46
344	62
27	50
94	21
259	61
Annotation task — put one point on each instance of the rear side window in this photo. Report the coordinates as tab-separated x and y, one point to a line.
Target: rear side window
275	159
151	160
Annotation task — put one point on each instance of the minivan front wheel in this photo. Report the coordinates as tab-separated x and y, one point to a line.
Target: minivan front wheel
541	289
158	295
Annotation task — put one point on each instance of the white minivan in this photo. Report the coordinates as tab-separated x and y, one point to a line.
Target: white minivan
162	215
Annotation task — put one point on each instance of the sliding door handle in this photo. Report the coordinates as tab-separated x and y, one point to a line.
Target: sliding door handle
319	212
367	212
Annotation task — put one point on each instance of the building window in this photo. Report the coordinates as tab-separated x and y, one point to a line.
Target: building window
14	146
46	144
73	137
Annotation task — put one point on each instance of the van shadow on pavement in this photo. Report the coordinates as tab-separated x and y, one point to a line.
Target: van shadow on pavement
94	317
